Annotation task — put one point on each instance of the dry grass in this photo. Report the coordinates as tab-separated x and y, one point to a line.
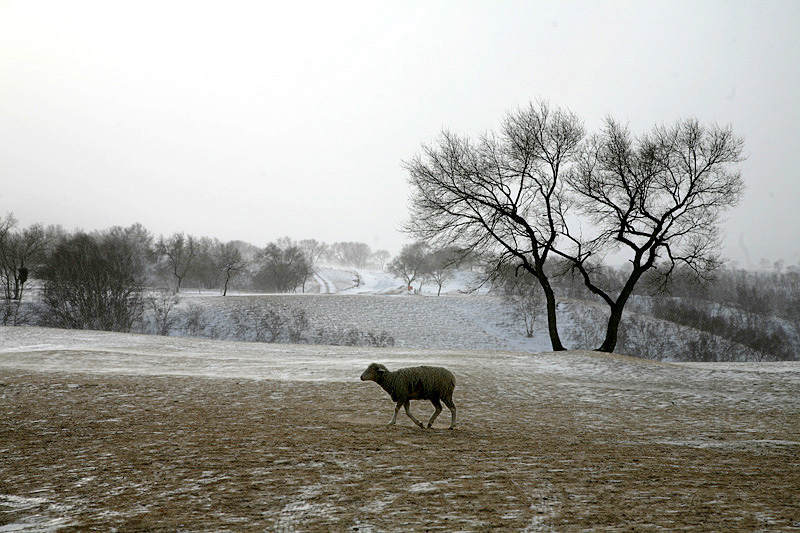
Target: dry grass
157	453
549	442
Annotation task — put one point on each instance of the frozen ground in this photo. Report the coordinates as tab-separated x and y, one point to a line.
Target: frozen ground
101	431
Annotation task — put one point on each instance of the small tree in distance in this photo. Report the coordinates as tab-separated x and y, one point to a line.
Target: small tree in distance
179	252
442	265
313	249
411	264
229	261
524	297
353	254
20	252
380	257
284	267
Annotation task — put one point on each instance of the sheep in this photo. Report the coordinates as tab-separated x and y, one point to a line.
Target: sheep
432	383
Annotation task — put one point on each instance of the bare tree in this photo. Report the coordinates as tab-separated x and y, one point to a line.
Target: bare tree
179	252
7	272
162	306
442	265
229	261
313	250
503	193
380	257
350	253
284	267
92	283
205	272
412	263
138	242
20	252
659	197
524	297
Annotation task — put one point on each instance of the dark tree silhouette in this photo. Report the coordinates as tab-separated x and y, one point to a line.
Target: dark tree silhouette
229	261
502	194
284	267
92	283
524	195
660	197
412	263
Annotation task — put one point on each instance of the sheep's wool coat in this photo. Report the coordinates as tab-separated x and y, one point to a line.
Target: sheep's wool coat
419	383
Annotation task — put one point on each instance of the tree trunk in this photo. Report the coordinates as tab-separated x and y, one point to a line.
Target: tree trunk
552	322
612	328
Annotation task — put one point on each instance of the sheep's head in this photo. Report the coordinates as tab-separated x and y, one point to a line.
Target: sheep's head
373	372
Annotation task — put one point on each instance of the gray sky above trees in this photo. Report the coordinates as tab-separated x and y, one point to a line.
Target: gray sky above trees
249	121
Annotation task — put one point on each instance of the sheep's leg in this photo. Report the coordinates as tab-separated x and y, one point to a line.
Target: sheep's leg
452	406
408	412
396	409
438	410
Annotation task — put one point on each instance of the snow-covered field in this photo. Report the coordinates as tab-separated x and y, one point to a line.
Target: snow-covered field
377	302
102	431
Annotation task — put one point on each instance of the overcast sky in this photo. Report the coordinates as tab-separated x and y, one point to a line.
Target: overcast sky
251	121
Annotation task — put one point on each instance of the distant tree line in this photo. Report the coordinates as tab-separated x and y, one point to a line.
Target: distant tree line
97	280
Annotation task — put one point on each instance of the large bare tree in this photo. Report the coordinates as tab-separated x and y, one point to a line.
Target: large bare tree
539	190
658	197
503	193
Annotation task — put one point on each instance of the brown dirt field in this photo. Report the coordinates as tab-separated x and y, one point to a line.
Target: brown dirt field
101	452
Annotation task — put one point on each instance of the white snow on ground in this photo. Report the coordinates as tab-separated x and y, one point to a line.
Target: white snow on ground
94	352
451	321
43	514
377	302
324	287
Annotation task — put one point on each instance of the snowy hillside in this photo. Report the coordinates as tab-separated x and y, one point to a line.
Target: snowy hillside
376	301
357	307
448	322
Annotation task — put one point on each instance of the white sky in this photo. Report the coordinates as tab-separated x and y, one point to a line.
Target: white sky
252	121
